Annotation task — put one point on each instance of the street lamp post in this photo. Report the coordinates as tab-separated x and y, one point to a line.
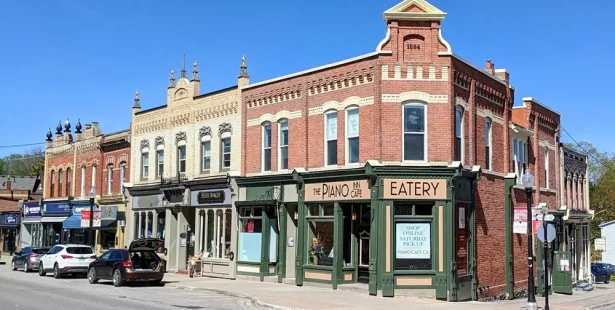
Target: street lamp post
528	183
545	252
92	196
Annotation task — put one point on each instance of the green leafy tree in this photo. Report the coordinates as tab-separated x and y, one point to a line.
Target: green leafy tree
26	164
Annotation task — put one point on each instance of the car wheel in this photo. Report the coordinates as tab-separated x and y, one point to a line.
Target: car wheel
608	278
92	276
118	280
25	267
56	271
41	270
13	267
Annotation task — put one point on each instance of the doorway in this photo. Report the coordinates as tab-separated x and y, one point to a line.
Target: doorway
361	216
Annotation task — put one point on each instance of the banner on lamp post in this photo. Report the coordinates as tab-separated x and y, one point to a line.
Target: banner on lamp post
85	219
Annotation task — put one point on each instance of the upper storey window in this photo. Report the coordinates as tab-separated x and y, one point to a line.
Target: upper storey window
459	112
352	135
414	132
331	138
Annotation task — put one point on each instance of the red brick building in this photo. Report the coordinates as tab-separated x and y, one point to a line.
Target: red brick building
14	190
408	138
77	165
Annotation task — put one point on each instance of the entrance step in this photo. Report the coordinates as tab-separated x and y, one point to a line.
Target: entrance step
270	279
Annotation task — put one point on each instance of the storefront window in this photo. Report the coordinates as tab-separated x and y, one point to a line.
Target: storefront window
413	236
250	234
160	232
320	235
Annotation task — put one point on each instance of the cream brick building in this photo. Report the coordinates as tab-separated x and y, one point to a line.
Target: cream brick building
182	189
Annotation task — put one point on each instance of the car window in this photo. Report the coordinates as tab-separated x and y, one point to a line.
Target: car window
106	255
25	250
40	251
79	250
53	250
117	255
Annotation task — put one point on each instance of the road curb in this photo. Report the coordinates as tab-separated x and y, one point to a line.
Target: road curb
600	306
252	299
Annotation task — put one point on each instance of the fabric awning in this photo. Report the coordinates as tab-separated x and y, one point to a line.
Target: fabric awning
107	224
72	222
52	219
31	220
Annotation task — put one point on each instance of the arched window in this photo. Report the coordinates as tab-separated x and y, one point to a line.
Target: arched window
60	181
414	128
52	181
68	181
283	143
123	170
459	113
109	179
352	135
488	150
83	175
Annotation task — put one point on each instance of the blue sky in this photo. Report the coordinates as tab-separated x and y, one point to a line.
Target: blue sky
85	59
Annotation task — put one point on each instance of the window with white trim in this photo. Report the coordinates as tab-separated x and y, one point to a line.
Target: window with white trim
60	183
519	158
546	168
488	150
283	142
69	177
352	135
53	183
109	179
225	155
83	172
93	176
331	138
123	168
159	163
206	156
145	165
414	130
459	134
266	154
181	159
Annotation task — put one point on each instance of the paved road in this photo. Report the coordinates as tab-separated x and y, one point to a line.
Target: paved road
19	290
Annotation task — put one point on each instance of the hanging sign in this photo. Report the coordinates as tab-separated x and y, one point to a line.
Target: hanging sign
600	244
85	219
413	241
433	189
348	190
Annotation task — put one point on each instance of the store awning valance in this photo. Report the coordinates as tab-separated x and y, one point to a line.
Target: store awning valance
72	222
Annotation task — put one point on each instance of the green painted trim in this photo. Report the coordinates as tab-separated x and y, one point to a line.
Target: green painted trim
508	235
301	232
283	221
317	281
338	251
248	263
472	239
374	266
439	279
266	237
243	273
388	279
264	180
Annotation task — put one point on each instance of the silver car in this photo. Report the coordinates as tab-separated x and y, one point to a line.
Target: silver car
28	258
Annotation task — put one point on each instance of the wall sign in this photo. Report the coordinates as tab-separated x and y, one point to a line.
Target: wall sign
144	202
211	197
10	219
416	189
412	241
461	252
347	190
56	208
520	221
31	209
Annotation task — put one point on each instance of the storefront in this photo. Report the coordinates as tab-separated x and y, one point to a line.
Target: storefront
392	228
72	230
108	235
9	231
53	217
147	217
214	231
31	227
267	226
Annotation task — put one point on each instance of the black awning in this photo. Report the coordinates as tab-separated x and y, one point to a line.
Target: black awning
256	203
106	224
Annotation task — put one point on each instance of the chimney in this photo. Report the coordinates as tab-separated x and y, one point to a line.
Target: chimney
8	183
95	129
489	67
503	75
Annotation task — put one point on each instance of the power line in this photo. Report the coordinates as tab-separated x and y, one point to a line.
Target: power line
587	152
19	145
22	158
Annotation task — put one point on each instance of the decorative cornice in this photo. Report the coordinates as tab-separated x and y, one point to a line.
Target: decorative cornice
414	95
225	127
180	136
204	131
144	144
159	141
340	106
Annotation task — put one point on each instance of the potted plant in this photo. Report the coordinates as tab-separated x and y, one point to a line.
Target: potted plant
316	249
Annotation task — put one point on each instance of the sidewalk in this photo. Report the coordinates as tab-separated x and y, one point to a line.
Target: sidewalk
284	296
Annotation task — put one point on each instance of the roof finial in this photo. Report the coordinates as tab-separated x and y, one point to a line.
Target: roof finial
184	68
49	135
137	105
172	79
243	69
59	128
78	126
67	125
195	71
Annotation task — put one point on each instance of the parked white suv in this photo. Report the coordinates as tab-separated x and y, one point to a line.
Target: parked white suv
66	259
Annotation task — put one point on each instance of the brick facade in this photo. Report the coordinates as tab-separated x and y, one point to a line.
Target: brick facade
116	163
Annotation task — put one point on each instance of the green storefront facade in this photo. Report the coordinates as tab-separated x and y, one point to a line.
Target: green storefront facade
392	228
